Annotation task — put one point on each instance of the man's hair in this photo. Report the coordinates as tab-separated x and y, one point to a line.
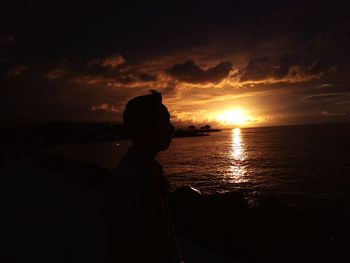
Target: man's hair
141	112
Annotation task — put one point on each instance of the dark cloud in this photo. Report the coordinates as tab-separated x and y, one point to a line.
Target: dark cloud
16	70
111	62
6	39
148	77
190	72
55	74
335	114
93	72
290	67
169	91
285	63
257	69
339	98
104	107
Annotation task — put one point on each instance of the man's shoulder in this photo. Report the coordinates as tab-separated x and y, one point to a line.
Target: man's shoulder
129	176
134	175
128	169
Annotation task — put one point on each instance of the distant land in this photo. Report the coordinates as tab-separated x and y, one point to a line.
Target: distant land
64	132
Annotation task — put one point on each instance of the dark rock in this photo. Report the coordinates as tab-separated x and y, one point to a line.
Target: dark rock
212	220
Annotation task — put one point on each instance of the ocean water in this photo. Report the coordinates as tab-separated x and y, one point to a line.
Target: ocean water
306	167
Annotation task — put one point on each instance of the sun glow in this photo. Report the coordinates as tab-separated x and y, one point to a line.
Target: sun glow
236	116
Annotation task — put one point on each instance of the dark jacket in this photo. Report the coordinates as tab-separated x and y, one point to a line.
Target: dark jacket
137	215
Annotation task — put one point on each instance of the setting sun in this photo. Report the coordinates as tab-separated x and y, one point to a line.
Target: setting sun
236	116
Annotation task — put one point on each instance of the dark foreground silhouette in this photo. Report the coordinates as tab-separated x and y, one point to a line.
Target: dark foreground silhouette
139	226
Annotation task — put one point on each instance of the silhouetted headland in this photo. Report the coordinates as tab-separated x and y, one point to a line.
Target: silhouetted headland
192	131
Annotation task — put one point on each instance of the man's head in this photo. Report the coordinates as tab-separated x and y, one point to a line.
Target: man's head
148	122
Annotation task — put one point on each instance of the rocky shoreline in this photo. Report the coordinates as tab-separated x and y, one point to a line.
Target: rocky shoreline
271	232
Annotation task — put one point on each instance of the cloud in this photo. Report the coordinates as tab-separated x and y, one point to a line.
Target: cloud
107	72
339	98
334	114
257	69
289	68
16	70
324	85
285	63
148	77
6	39
191	73
111	61
104	107
55	74
89	80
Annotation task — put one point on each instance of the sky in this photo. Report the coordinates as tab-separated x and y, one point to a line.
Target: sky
267	62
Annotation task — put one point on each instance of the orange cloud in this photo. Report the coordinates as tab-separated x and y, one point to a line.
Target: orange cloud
16	70
90	80
112	61
104	107
55	74
6	39
192	73
290	68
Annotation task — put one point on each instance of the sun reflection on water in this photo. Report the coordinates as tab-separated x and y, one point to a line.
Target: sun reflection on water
237	145
237	170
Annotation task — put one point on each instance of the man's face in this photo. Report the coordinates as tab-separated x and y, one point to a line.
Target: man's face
164	130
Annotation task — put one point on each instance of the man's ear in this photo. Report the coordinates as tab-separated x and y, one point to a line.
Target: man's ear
146	132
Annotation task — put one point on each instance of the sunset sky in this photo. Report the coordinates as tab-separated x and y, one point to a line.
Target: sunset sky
248	63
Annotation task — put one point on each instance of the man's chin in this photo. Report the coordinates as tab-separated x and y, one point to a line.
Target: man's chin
164	146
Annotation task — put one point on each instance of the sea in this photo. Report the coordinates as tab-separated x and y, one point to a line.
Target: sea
305	167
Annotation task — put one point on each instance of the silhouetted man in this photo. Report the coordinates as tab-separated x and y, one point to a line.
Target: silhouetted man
139	226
